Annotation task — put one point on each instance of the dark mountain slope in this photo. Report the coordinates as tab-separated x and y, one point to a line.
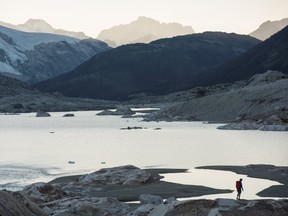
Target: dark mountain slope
271	54
18	97
161	67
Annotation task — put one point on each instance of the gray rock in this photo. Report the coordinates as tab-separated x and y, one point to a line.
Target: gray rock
150	199
143	210
240	126
123	175
274	128
15	204
69	115
42	192
170	200
42	114
255	99
253	207
85	206
121	110
191	208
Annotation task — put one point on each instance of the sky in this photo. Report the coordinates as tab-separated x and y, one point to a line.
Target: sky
92	16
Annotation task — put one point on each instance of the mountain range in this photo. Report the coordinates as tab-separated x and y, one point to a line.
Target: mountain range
160	67
269	28
271	54
41	26
38	56
142	30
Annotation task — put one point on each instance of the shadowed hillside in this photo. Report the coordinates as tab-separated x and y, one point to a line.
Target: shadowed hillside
271	54
161	67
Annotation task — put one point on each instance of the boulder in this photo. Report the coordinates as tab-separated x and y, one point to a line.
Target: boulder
170	200
69	115
42	114
42	193
123	175
143	210
122	110
84	206
190	208
150	199
15	204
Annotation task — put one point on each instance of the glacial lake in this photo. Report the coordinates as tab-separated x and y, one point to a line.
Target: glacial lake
39	149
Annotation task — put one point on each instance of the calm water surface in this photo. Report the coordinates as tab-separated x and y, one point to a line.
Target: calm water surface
38	149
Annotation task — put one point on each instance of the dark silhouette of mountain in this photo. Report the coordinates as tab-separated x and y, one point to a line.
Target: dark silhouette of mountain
38	25
271	54
268	28
142	30
161	67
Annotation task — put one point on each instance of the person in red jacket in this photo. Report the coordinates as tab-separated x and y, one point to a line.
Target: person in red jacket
239	188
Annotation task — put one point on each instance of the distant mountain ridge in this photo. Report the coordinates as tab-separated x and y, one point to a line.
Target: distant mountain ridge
38	56
271	54
269	28
142	30
160	67
39	25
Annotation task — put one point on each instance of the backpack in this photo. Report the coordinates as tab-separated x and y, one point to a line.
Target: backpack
238	184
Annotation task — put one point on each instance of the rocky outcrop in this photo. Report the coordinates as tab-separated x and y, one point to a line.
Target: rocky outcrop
69	115
42	114
15	204
215	207
150	199
42	193
121	110
125	175
260	101
83	206
55	201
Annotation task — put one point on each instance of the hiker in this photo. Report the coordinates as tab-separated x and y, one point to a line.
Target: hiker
239	188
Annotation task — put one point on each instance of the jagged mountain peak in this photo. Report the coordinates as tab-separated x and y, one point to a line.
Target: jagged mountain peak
41	26
37	24
142	30
268	28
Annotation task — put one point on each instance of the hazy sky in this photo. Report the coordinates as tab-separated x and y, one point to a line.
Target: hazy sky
92	16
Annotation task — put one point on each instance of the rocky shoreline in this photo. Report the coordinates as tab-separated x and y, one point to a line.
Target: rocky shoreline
259	103
106	192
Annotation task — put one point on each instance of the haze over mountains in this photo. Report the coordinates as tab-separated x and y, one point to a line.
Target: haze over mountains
269	28
160	67
39	25
38	56
142	30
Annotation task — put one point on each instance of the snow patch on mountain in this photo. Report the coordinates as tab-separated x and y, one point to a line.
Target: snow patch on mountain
5	68
29	40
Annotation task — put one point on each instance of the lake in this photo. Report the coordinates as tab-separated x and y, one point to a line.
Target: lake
39	149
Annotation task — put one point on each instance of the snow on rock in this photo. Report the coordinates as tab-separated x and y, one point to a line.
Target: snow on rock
28	40
5	68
